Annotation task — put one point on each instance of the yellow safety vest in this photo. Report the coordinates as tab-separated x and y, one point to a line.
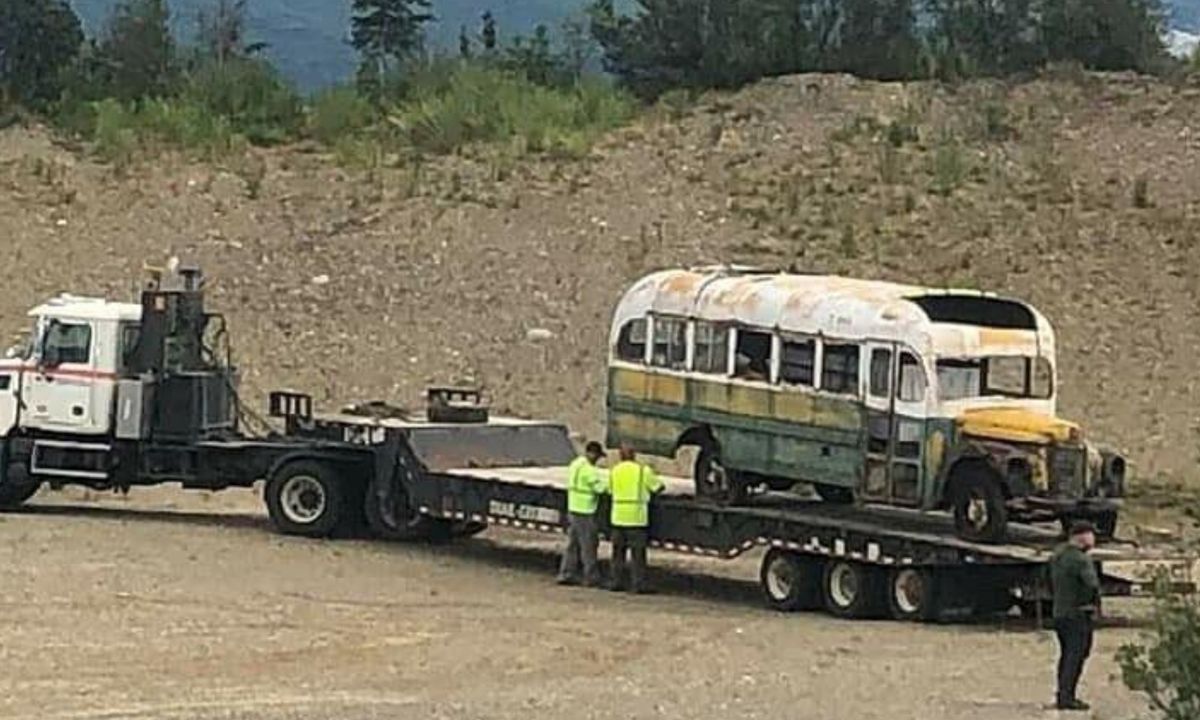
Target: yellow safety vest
584	484
632	485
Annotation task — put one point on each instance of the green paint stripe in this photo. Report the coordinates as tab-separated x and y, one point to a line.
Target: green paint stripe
753	424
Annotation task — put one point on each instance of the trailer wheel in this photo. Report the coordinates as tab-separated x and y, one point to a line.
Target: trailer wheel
304	498
980	514
852	590
789	581
913	594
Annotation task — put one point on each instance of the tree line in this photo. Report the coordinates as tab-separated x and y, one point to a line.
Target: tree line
670	44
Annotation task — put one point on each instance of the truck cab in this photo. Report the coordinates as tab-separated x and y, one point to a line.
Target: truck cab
63	378
113	394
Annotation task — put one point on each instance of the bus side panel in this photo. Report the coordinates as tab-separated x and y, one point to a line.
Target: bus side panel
782	433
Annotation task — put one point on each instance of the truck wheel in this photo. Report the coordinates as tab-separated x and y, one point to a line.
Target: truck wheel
16	486
789	581
913	594
835	494
304	498
852	590
980	514
391	518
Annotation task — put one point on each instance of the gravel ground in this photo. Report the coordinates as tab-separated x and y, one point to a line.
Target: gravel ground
175	605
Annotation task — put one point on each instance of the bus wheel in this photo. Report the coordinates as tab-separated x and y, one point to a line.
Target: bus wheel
304	498
913	594
789	581
980	514
714	481
852	590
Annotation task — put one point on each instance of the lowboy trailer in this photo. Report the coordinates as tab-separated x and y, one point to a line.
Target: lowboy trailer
116	395
441	477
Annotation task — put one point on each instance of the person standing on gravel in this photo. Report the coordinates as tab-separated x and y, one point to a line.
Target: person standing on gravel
585	484
632	486
1076	602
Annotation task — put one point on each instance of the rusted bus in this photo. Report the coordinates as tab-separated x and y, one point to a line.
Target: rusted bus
946	397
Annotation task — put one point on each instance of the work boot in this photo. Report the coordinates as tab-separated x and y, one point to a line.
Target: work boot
1074	705
566	581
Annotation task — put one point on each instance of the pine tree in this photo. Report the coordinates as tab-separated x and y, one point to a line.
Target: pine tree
137	51
387	33
38	38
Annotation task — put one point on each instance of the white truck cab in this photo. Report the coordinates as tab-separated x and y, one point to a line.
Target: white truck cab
63	378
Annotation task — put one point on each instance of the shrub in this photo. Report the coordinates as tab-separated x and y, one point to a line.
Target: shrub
1166	668
477	104
337	114
248	95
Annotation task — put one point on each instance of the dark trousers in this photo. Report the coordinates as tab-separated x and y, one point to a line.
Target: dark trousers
1074	644
629	541
582	543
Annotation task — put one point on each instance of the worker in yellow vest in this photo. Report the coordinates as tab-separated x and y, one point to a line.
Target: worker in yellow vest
631	484
585	484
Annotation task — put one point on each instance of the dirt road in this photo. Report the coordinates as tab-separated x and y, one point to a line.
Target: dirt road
174	605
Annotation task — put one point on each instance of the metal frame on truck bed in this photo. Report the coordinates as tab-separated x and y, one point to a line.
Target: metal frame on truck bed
854	561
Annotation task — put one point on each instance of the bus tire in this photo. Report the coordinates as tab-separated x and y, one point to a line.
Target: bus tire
913	594
852	589
980	512
835	494
304	498
714	481
790	581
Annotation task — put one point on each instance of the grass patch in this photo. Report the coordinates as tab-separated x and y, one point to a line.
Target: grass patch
479	105
950	166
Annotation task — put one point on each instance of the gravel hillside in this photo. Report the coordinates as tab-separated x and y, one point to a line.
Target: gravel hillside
1078	193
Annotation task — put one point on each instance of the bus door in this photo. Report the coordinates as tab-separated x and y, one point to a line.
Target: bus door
895	411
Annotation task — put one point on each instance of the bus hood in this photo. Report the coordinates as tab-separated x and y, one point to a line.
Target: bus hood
1017	425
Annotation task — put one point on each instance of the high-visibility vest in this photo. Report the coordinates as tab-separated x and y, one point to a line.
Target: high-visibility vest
584	484
632	484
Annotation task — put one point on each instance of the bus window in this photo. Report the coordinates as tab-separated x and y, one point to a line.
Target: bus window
999	376
881	373
670	343
912	379
839	369
753	355
631	343
712	348
1043	378
798	363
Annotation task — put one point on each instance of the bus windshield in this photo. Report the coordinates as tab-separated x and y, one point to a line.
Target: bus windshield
1000	376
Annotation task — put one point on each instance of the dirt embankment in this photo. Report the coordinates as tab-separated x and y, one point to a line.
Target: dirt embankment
1079	194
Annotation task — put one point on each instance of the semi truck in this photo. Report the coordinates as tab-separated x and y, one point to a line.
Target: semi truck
113	395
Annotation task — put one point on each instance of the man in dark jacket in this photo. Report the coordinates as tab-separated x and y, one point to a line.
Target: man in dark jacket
1076	602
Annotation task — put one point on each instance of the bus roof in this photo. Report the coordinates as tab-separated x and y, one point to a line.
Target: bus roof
948	322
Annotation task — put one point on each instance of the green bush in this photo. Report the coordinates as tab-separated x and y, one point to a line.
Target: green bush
1166	669
337	114
476	104
249	96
